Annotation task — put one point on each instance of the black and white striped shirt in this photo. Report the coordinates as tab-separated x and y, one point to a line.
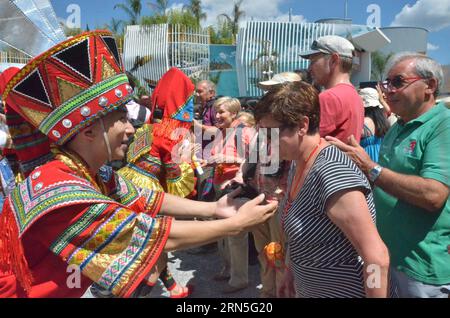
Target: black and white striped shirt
322	259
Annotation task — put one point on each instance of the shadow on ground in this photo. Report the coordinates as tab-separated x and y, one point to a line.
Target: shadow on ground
199	269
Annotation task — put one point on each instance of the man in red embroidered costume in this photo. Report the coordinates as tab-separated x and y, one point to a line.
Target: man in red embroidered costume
71	99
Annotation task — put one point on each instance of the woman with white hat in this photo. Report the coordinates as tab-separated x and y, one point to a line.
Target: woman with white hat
376	124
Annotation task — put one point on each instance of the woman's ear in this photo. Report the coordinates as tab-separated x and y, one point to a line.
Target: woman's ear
303	126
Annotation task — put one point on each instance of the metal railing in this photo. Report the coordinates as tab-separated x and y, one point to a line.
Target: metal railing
189	50
149	51
265	48
13	57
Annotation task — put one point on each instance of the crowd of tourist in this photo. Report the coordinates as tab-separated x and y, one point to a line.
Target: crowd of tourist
341	191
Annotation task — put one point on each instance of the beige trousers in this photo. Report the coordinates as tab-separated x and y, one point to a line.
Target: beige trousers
234	253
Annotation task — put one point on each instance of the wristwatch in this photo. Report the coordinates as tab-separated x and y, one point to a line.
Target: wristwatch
375	172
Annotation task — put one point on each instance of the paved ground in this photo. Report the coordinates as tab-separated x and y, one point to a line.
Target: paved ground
198	270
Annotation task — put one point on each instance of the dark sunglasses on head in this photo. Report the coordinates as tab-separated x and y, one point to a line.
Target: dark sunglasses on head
315	45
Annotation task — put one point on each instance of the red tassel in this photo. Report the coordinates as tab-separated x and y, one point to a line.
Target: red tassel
12	256
168	126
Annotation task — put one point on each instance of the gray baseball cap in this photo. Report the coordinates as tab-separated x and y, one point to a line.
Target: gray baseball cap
330	44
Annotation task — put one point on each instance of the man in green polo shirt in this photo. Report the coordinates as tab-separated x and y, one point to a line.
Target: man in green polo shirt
412	178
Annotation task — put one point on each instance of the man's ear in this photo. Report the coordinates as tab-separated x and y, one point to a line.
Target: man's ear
432	86
334	59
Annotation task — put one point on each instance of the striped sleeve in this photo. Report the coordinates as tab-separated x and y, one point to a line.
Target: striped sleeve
337	173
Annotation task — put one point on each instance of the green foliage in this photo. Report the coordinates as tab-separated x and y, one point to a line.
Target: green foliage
115	26
215	77
159	6
132	8
266	62
233	21
195	8
227	26
174	16
379	61
72	31
222	34
154	19
183	18
139	90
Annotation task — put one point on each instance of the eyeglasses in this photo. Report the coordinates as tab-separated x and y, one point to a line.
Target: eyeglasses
398	83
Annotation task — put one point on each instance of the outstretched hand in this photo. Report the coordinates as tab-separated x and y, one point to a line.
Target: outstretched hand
227	206
253	213
355	152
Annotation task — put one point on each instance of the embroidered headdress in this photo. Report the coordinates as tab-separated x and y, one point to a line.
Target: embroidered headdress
150	162
49	100
64	90
174	95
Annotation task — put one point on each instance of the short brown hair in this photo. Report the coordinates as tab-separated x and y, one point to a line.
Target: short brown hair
346	64
289	103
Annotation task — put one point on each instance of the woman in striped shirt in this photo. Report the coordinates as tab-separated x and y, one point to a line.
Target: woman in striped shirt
329	217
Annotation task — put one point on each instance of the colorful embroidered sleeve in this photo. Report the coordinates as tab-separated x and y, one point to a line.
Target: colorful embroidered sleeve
180	179
113	246
144	172
157	171
138	199
151	202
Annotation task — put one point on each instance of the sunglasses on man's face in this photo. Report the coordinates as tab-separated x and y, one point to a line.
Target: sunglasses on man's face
398	83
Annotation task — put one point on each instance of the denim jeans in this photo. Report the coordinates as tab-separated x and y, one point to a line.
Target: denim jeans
411	288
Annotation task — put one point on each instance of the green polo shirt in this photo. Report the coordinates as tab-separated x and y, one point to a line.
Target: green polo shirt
418	240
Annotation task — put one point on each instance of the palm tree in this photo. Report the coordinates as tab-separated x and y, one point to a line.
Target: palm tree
195	7
159	6
266	62
115	26
132	8
379	61
234	20
221	34
173	16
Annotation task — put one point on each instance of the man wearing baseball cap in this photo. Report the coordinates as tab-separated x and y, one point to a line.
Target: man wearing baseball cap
341	108
279	79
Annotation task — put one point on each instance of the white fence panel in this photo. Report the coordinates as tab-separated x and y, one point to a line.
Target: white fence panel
286	40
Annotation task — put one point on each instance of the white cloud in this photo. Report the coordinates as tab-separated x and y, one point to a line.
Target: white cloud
176	6
433	15
294	18
432	47
259	10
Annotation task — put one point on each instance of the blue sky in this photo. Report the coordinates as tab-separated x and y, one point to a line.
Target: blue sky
433	15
